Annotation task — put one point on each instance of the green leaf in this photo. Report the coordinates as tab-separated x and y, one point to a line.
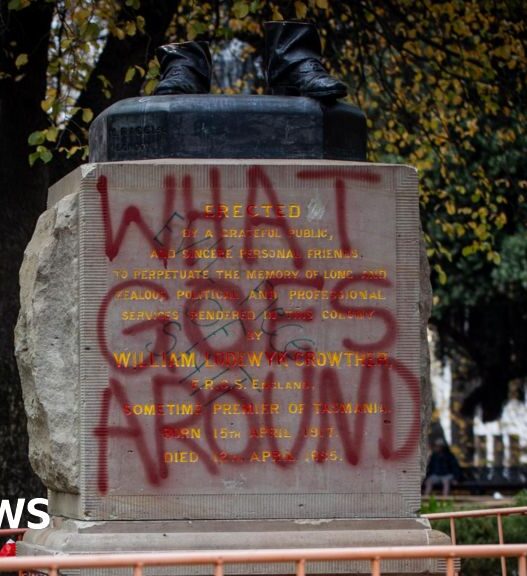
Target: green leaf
87	115
277	15
130	73
41	153
14	5
36	138
441	274
153	69
52	133
130	28
72	151
494	257
300	10
140	23
47	103
191	31
149	86
46	156
104	81
33	157
240	10
195	28
91	31
21	60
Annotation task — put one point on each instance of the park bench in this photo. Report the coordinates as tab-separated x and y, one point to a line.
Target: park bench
490	479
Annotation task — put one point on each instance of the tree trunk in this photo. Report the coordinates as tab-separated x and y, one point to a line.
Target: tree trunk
23	194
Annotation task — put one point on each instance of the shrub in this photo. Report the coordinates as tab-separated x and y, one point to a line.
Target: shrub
484	531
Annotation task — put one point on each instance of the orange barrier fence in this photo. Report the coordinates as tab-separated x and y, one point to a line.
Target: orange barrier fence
499	513
218	559
301	557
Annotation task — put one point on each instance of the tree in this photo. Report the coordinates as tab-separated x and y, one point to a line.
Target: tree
45	64
27	32
442	84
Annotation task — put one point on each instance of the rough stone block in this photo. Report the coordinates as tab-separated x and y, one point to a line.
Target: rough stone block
47	347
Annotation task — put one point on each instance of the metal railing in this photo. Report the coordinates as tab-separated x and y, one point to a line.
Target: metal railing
499	513
219	559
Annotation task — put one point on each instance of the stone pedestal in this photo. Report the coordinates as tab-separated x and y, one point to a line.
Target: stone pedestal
81	537
228	353
248	361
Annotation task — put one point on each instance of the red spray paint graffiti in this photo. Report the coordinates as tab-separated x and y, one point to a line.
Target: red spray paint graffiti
323	385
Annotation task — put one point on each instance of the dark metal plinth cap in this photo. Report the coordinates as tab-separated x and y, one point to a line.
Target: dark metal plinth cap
218	126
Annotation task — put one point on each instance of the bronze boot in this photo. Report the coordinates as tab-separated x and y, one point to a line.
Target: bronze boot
292	62
185	68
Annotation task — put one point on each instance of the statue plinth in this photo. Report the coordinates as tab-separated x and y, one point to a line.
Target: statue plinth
207	126
228	352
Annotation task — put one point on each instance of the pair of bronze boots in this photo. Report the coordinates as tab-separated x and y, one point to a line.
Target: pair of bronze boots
292	64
